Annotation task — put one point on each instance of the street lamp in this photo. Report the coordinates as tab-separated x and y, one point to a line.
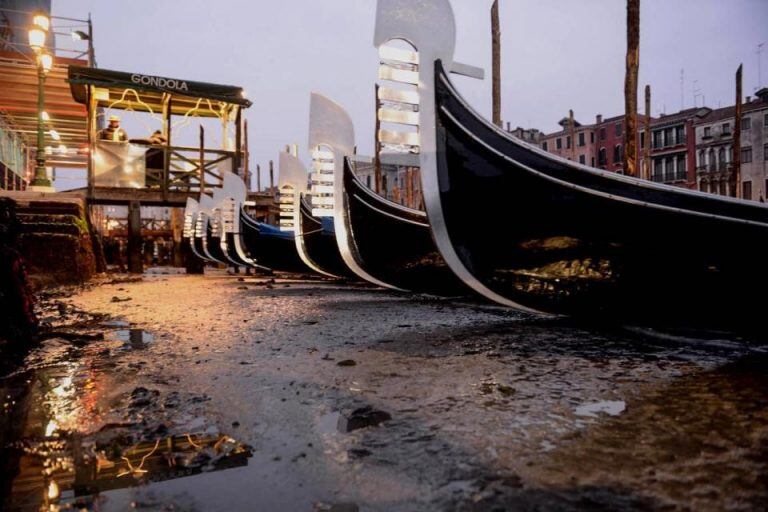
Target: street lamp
37	36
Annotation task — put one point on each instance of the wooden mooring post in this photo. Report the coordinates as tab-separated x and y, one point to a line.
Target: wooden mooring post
736	159
496	62
271	177
202	161
630	87
135	262
648	135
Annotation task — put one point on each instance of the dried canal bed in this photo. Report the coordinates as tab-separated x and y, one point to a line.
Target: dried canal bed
212	393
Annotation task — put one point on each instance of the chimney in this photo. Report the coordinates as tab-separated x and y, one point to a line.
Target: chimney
598	118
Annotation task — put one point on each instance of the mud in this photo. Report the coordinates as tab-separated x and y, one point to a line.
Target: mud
223	393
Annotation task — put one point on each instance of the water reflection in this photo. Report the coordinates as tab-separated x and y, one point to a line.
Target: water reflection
52	455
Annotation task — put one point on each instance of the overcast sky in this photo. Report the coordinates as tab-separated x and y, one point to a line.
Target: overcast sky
556	55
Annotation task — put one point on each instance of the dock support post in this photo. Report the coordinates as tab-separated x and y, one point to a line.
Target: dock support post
135	263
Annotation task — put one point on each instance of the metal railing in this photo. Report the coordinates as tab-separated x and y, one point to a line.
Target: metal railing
674	141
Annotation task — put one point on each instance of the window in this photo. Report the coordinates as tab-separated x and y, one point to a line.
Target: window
707	131
617	154
765	120
702	158
746	190
368	181
581	139
544	146
721	158
668	134
746	155
601	157
618	129
559	143
592	134
765	153
680	135
726	128
593	163
602	133
657	139
582	159
568	142
658	169
746	123
642	140
669	168
681	174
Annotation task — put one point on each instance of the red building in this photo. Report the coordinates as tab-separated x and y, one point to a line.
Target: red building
673	147
609	143
581	150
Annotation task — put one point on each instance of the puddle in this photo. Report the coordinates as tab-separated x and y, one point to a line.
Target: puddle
134	338
609	407
60	450
328	424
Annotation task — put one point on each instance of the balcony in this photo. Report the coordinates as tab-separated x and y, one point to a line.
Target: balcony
674	141
719	167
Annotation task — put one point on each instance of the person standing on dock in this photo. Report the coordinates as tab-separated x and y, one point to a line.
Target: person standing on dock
113	132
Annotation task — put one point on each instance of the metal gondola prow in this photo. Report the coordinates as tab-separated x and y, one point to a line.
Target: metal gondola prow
331	140
235	195
430	27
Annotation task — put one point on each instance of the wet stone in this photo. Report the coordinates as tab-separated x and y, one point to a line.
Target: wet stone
362	417
142	397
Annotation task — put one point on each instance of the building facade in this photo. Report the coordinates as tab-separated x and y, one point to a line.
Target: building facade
714	149
673	147
581	149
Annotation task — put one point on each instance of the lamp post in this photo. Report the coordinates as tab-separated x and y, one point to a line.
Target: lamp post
37	36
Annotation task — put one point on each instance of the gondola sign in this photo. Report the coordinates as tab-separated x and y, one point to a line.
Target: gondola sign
160	82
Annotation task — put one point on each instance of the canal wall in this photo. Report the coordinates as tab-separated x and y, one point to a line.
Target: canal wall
56	240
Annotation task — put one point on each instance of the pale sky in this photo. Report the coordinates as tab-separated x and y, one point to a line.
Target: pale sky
556	55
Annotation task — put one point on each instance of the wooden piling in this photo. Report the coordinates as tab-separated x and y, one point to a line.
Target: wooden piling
736	170
247	157
271	177
135	263
202	161
496	62
572	133
648	135
258	178
377	146
630	87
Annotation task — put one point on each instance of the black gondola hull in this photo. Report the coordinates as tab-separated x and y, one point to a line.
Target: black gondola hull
273	252
393	243
556	237
320	244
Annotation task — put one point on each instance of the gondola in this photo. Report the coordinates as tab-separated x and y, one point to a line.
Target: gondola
331	138
546	234
190	221
394	243
274	247
203	231
234	195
